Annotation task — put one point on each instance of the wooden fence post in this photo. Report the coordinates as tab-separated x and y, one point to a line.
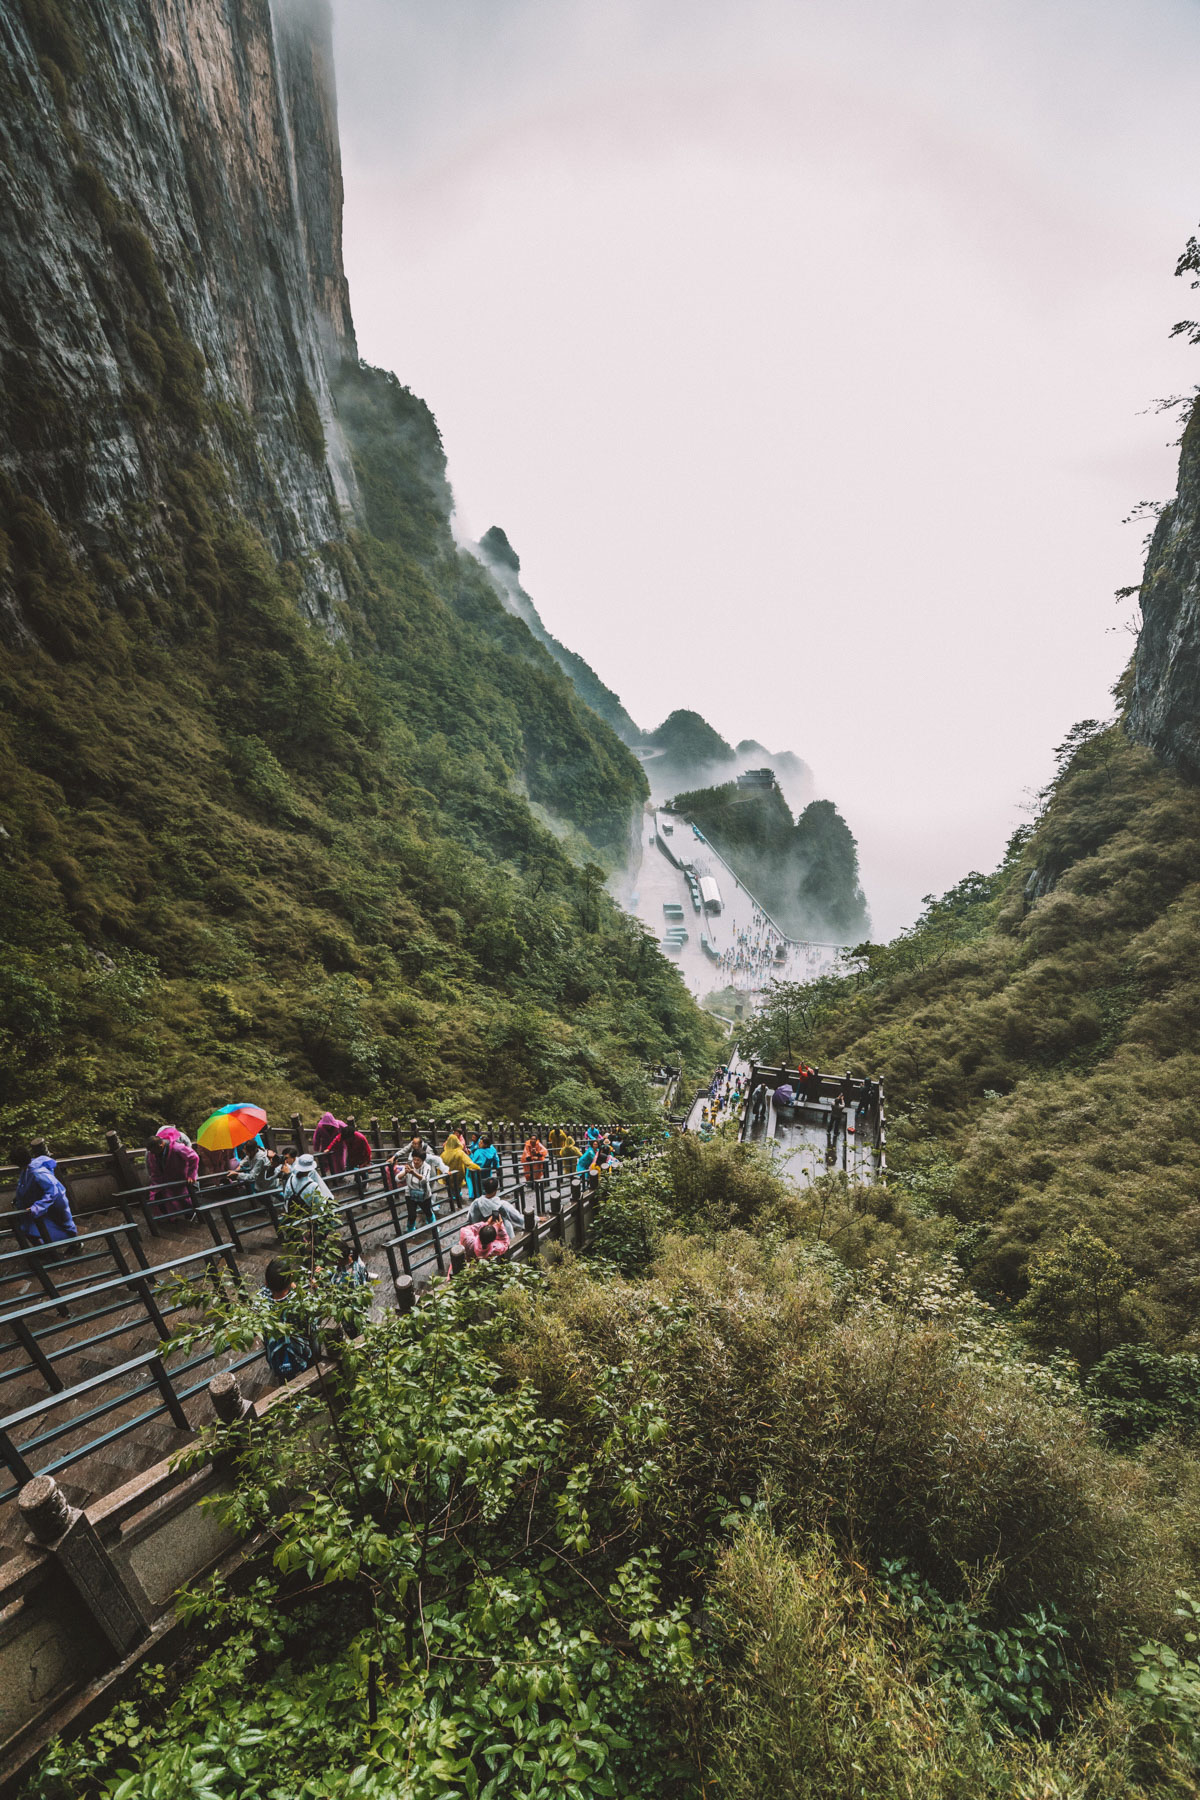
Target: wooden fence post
124	1168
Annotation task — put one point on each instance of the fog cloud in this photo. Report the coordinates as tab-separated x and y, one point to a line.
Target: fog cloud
803	349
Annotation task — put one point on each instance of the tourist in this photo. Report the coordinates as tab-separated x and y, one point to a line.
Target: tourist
533	1158
586	1164
458	1165
569	1154
43	1200
490	1206
172	1166
305	1187
784	1095
418	1187
325	1131
351	1150
837	1121
483	1241
348	1267
289	1349
256	1169
222	1163
487	1162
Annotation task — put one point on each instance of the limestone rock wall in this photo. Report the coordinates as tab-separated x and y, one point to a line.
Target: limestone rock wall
1164	708
171	291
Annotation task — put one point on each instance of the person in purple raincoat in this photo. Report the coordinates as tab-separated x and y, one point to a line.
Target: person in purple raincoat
172	1167
326	1132
47	1217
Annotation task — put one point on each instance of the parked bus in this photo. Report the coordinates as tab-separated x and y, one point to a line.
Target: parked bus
710	894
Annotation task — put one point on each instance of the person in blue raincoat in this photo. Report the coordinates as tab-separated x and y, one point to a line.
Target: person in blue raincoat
43	1197
486	1157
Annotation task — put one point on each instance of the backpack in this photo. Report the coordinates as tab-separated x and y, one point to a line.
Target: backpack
310	1196
288	1356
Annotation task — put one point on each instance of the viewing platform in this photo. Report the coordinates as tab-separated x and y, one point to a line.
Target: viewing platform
801	1133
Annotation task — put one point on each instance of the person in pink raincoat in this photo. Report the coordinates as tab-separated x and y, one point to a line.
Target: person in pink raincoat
326	1132
172	1165
482	1241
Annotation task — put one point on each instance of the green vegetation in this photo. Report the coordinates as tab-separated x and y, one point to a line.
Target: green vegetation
804	871
240	858
689	741
758	1498
1039	1031
323	832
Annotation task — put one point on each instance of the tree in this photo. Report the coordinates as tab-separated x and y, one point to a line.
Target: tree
789	1017
1079	1292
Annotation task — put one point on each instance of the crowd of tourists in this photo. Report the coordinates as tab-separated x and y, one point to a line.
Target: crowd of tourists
759	952
465	1173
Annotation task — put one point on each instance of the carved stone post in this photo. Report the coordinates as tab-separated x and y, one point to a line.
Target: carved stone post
405	1293
228	1401
69	1538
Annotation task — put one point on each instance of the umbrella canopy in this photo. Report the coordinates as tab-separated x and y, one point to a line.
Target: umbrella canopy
230	1126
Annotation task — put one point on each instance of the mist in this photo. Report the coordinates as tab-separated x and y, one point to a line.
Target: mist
807	351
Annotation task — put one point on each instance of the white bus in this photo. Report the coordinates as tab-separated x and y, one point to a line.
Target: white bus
710	894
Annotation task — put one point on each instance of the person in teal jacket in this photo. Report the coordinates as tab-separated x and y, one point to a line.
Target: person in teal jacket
486	1158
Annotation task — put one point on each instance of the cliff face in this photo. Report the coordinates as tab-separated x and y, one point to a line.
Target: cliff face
268	736
1164	707
171	285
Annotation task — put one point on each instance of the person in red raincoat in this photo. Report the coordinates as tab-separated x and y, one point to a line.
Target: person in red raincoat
534	1159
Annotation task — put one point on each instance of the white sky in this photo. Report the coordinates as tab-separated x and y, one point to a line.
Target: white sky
802	352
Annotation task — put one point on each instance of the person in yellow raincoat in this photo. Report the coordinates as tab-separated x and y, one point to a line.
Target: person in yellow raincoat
458	1165
569	1151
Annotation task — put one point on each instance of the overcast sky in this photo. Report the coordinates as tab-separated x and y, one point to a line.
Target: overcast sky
803	351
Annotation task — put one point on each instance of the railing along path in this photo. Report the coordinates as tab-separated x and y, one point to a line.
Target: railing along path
88	1394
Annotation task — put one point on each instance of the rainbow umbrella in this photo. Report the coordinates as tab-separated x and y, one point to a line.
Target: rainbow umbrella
230	1126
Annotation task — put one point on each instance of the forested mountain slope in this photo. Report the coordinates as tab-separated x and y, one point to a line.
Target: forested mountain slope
1040	1027
1039	1030
804	871
269	737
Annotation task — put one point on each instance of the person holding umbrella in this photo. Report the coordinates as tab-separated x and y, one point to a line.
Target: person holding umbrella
257	1170
223	1131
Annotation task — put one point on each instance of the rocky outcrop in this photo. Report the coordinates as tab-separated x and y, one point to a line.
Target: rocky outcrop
504	567
1164	706
172	300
